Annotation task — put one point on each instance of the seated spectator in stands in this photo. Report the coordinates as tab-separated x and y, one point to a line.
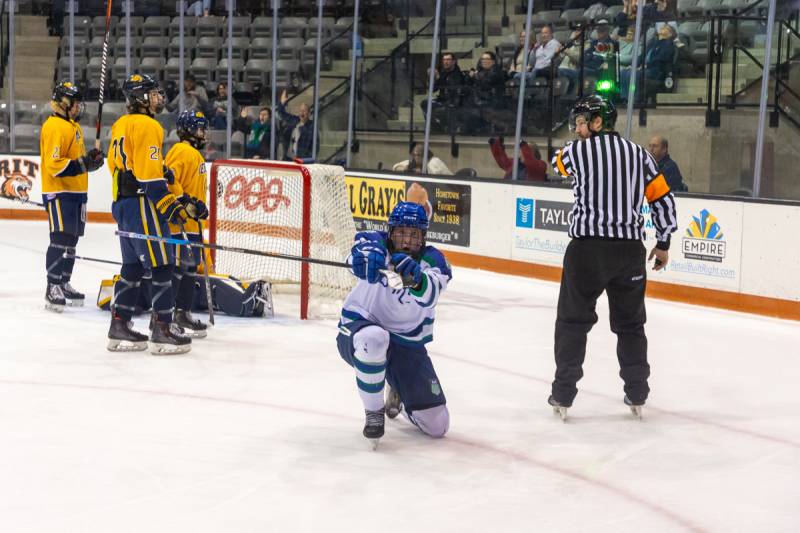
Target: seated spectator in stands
301	138
626	50
541	56
219	106
449	83
488	81
571	54
200	8
257	142
194	96
531	167
413	165
659	148
658	63
517	63
595	59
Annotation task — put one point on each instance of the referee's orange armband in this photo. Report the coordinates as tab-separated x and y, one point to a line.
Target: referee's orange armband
656	189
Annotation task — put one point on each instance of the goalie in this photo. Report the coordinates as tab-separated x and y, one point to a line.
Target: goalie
383	331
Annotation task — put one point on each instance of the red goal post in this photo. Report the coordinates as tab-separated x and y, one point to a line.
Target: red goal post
286	208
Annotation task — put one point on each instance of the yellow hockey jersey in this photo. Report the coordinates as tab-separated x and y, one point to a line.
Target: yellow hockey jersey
136	142
191	179
61	141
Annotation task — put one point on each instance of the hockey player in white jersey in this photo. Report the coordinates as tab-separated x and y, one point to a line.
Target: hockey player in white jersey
383	331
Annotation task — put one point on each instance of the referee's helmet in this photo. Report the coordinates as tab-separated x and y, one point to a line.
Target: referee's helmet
594	106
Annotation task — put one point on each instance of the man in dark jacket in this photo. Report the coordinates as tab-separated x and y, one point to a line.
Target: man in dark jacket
301	139
449	84
659	148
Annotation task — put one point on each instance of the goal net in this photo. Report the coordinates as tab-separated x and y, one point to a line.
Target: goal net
284	208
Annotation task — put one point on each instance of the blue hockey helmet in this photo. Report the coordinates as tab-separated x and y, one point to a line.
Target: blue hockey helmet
137	89
65	95
408	225
191	127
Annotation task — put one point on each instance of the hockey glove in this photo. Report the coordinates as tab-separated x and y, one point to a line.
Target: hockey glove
92	160
196	208
408	269
168	174
172	209
369	258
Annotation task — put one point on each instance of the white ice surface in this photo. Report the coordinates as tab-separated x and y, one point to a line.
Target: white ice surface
258	429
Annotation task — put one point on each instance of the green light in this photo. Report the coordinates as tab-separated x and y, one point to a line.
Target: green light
604	86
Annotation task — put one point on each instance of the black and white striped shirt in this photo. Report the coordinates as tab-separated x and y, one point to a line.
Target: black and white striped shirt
611	179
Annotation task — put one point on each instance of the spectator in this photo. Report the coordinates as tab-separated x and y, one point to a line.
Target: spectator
301	138
542	54
259	138
194	97
571	53
626	50
488	90
516	65
658	62
659	148
413	165
449	82
219	107
531	167
600	50
200	8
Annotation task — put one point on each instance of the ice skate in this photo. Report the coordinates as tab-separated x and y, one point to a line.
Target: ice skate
167	339
373	429
636	409
558	408
392	404
54	298
73	297
190	325
122	337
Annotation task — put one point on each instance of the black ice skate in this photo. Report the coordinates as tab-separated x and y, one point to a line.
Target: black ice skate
636	408
54	298
558	408
166	339
190	325
122	337
73	297
373	429
392	404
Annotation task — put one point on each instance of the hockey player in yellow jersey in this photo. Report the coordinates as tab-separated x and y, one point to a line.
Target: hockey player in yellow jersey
65	185
144	205
190	186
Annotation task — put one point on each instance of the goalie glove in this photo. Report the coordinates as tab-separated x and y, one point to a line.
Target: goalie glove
172	209
369	258
408	269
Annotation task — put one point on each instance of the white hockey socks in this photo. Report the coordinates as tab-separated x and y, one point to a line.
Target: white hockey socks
370	345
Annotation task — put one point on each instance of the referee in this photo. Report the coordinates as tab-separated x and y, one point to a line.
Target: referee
611	177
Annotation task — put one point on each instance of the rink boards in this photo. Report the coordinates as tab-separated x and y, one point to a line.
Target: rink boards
729	252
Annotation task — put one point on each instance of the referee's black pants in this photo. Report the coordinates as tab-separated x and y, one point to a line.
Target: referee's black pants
592	266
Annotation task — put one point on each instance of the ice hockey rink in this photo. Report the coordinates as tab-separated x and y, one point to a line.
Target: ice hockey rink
259	427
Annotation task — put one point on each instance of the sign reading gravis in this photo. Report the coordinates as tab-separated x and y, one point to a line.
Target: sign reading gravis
448	205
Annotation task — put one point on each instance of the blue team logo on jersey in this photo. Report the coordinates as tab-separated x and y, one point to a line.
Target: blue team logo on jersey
525	212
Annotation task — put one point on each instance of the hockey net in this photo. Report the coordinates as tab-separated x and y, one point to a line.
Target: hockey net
285	208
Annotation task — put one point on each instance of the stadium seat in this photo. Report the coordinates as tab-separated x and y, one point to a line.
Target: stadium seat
261	28
209	47
546	17
612	12
239	45
203	69
166	119
82	28
571	17
210	26
241	26
189	26
96	47
80	68
154	66
189	47
98	26
119	70
237	67
81	48
260	48
119	46
713	7
258	71
156	27
287	72
172	69
293	27
328	24
290	48
26	137
155	46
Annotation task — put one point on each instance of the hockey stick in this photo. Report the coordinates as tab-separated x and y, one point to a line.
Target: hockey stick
209	300
93	259
103	63
20	200
394	280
